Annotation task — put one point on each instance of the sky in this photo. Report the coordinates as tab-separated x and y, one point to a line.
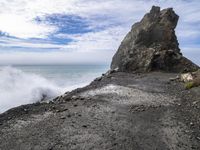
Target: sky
83	31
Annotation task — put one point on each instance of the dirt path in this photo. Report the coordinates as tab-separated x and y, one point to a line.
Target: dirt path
122	111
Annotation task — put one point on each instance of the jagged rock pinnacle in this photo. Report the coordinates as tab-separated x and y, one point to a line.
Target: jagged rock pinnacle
152	45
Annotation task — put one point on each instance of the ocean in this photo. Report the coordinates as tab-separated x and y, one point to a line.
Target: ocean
25	84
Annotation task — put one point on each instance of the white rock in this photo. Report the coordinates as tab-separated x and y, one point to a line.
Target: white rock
186	77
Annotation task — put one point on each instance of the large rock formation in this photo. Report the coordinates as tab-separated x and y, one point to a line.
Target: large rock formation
152	45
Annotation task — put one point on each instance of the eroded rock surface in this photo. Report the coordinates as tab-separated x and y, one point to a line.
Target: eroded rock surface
152	45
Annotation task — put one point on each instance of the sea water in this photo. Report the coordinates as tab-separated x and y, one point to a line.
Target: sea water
25	84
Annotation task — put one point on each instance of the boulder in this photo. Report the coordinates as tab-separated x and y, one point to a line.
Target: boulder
187	77
152	45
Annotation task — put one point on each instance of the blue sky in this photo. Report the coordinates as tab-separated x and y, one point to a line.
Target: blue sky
83	31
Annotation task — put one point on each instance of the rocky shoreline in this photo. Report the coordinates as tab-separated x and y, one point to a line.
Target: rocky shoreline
138	105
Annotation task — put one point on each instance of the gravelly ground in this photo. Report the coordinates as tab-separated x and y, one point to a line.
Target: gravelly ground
121	111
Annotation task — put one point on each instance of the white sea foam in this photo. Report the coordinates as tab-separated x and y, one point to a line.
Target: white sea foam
18	88
21	85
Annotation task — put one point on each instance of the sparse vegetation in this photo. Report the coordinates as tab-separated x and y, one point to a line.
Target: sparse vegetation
194	83
189	85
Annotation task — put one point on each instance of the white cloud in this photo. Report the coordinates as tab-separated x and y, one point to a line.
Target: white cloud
17	16
17	19
10	42
108	39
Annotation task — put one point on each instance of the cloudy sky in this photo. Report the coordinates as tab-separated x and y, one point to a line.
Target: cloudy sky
83	31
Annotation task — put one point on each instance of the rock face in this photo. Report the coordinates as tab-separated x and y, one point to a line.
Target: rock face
152	45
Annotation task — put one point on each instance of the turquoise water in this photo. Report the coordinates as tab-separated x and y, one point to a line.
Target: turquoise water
24	84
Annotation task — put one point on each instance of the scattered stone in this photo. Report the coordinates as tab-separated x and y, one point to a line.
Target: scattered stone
98	79
57	111
88	98
75	105
84	126
25	110
69	116
191	124
174	79
82	98
112	112
195	102
187	77
198	138
61	110
63	117
74	97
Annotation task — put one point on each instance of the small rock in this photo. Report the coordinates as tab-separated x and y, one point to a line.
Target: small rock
195	102
74	97
63	117
82	98
26	110
198	138
84	126
65	109
174	79
88	98
191	123
98	79
57	111
75	105
187	77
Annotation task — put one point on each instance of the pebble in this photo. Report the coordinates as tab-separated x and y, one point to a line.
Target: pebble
75	105
74	97
61	110
84	126
63	117
194	103
191	123
82	98
98	79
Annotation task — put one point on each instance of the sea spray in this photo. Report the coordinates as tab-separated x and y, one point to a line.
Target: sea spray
18	87
25	84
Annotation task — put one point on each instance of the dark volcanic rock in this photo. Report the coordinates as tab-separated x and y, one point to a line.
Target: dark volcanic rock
152	45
